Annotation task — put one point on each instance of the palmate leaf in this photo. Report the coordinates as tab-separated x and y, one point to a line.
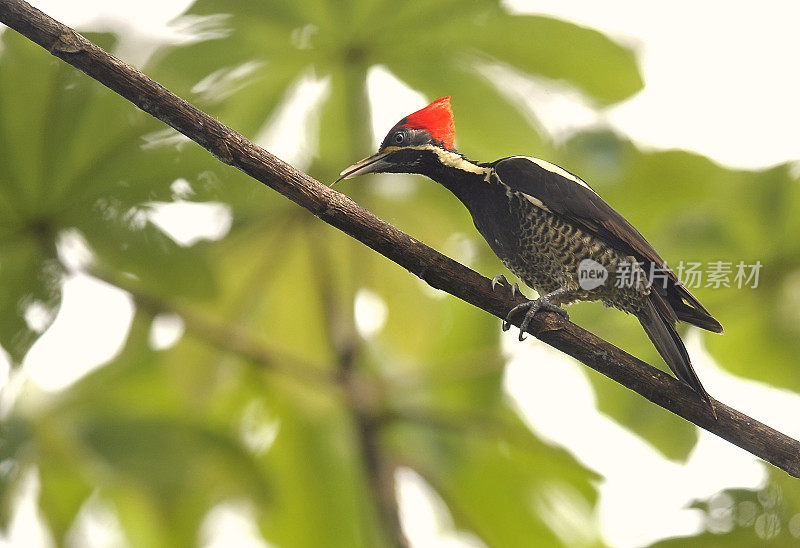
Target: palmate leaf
560	50
73	158
342	42
256	38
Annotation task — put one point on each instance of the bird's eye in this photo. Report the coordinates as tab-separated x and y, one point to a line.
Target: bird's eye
399	137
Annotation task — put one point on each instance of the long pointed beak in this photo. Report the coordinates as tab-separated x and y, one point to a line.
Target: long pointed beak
367	165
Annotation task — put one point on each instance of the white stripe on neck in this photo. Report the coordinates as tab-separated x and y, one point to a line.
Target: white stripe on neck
447	158
456	160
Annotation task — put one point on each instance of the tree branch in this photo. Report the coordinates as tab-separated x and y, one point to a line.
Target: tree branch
436	269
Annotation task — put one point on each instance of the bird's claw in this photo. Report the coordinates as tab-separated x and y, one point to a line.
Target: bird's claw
531	308
500	279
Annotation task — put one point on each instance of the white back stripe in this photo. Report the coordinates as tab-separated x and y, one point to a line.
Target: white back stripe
536	201
511	193
552	168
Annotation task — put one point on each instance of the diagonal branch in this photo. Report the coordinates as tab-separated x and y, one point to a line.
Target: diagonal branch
436	269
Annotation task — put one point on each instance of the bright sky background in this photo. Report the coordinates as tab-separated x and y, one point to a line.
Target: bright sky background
721	79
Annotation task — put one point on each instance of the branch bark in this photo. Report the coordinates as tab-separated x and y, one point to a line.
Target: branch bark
436	269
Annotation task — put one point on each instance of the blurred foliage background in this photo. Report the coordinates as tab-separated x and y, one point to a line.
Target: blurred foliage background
275	397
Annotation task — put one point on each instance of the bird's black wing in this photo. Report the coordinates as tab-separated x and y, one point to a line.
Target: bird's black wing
570	197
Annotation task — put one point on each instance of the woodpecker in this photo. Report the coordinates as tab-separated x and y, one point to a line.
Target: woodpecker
549	227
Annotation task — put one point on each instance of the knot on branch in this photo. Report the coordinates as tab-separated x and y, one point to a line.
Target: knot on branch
68	41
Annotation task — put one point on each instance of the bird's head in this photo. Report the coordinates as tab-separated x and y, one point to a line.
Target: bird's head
410	142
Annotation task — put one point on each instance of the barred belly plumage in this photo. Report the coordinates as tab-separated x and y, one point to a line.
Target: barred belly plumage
551	250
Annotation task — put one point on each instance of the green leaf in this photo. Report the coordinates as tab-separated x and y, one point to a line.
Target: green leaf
124	431
63	492
560	50
15	443
321	494
767	516
496	482
73	158
29	277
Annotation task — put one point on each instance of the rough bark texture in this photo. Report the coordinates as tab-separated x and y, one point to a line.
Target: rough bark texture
436	269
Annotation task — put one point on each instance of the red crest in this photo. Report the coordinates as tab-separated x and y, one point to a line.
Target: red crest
437	118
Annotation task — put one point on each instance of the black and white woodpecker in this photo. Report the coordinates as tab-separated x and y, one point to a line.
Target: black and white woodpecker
549	228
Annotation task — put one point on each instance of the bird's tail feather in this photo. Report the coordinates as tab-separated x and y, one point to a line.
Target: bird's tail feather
688	309
697	317
660	327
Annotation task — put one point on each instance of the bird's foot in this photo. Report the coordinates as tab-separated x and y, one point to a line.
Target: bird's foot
531	308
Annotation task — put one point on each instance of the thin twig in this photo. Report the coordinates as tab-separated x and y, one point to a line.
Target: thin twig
436	269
